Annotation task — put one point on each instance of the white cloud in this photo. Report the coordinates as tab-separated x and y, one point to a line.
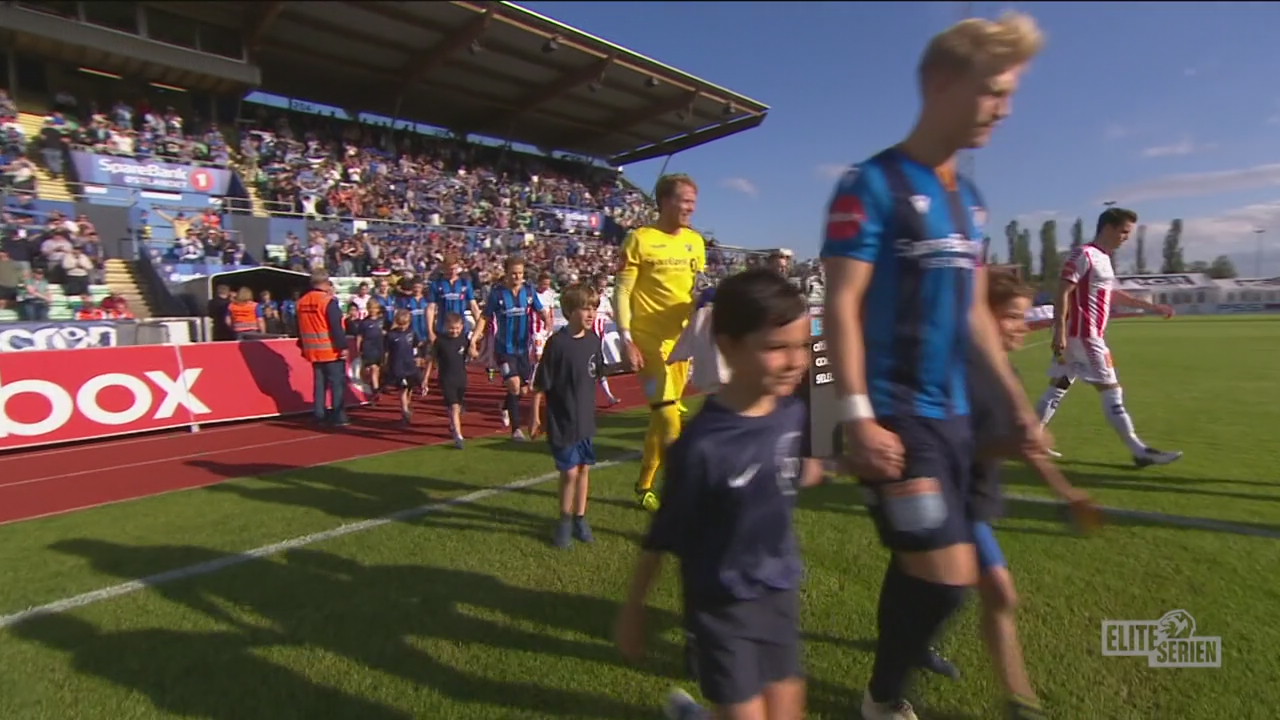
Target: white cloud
742	185
830	171
1231	233
1186	146
1202	183
1116	131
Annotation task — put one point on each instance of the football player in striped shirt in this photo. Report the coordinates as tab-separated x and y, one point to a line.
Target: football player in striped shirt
1082	310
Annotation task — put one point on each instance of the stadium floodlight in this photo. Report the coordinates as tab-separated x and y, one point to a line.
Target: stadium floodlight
475	47
552	44
651	82
730	109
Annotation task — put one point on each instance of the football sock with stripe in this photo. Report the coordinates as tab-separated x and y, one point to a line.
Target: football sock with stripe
1118	416
912	614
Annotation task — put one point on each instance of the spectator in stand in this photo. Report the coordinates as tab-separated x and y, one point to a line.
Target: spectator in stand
76	268
37	296
324	345
11	280
88	310
19	174
244	314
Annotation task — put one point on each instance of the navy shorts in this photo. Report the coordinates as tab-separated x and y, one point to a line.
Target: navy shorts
734	650
582	452
990	555
515	366
927	508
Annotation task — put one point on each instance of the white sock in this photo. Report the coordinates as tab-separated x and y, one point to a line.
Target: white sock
1113	408
604	384
1049	402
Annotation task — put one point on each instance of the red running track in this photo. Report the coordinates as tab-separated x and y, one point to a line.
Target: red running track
43	482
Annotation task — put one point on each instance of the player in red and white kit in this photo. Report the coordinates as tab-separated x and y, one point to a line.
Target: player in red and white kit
539	330
1082	309
604	318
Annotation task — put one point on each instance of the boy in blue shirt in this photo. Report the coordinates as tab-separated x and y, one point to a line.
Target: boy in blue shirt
726	511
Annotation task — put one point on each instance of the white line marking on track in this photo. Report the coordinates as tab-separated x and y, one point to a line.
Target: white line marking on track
24	455
144	463
222	563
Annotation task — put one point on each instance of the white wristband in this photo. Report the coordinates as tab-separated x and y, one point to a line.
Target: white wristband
856	407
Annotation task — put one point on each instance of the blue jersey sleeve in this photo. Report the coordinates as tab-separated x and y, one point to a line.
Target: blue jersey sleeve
855	218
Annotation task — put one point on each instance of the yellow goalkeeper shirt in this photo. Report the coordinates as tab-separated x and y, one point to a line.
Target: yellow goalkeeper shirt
655	285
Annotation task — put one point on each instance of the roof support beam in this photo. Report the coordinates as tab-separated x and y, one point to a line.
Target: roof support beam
421	65
547	93
626	120
262	23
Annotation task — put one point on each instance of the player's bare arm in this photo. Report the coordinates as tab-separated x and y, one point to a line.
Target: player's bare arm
477	334
1121	297
1061	303
873	451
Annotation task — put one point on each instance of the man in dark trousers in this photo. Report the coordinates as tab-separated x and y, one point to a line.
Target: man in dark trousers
324	344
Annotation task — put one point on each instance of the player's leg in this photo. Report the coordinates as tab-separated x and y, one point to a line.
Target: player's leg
1060	379
1101	373
514	368
998	622
664	384
568	485
608	392
781	667
923	520
586	457
406	401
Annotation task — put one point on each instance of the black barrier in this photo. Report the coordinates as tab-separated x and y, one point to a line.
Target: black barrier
819	392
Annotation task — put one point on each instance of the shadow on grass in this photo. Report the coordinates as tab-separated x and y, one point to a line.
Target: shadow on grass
401	620
846	497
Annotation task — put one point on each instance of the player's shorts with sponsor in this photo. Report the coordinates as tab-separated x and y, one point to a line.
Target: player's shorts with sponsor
927	509
661	383
1088	359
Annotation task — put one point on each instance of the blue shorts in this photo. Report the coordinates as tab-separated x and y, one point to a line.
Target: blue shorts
517	365
582	452
927	508
990	556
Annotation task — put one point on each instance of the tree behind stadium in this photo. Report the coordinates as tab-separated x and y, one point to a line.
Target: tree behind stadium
1173	262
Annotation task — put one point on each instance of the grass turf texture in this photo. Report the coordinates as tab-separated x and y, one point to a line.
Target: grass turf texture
468	613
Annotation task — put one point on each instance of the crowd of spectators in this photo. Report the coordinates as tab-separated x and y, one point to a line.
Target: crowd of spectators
322	166
39	249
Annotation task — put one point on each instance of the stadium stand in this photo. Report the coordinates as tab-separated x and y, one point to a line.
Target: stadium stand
136	119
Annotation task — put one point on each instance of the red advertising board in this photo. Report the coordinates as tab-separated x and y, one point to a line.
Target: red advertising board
45	399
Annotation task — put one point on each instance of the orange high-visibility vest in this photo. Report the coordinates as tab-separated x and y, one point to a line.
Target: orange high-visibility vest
313	327
244	316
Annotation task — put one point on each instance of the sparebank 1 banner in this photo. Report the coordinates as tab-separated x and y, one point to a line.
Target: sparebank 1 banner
146	174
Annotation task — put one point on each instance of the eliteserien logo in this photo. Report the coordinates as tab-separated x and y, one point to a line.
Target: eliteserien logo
1170	642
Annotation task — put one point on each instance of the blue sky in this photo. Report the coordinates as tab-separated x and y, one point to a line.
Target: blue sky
1170	109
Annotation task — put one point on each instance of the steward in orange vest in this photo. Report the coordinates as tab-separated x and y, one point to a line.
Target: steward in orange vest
324	344
243	313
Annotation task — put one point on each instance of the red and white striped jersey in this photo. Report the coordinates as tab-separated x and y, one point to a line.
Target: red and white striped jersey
538	326
604	315
1089	306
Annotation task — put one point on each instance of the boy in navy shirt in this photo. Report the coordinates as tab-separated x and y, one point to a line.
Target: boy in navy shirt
726	511
572	363
450	353
403	372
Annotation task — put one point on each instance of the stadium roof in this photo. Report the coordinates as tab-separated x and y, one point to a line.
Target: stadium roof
488	68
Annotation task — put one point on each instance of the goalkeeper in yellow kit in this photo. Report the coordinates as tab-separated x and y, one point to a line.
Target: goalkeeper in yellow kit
654	301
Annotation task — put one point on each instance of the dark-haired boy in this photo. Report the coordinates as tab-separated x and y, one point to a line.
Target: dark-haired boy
726	511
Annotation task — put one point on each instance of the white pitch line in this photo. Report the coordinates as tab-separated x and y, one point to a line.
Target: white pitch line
222	563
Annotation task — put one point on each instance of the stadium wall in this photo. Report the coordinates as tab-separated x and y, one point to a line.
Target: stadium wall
113	226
